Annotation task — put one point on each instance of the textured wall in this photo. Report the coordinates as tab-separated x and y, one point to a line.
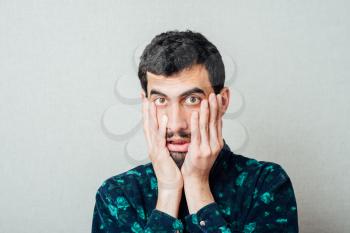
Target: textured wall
70	113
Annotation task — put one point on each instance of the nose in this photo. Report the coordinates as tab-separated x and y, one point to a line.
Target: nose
176	118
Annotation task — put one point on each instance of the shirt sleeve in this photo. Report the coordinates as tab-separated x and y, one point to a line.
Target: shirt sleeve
207	219
272	209
114	215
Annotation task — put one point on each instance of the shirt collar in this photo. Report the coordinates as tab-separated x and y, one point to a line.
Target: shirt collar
219	159
225	147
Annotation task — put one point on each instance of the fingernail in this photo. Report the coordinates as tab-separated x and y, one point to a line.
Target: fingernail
212	95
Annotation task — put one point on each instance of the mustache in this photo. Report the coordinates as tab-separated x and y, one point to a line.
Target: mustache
181	134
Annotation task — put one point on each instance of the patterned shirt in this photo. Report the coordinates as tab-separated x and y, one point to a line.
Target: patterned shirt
250	196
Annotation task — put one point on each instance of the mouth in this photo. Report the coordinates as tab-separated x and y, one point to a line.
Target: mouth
178	145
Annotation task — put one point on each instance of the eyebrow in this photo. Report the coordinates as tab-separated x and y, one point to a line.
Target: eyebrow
186	93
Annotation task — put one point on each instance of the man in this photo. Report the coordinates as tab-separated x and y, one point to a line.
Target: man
194	182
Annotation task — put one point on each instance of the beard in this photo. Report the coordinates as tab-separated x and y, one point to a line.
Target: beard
178	157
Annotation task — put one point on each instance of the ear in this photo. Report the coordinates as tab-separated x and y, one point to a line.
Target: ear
225	93
143	95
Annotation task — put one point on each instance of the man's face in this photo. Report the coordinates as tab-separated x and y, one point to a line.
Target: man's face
177	96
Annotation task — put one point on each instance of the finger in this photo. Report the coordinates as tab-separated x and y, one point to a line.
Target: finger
213	120
145	120
162	130
152	118
195	136
203	122
219	119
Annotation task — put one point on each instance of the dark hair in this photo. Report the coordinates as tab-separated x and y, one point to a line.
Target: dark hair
173	51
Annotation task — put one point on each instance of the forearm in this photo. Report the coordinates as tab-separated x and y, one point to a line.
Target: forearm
198	194
109	217
170	207
204	213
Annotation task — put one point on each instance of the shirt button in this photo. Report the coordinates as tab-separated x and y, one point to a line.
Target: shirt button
202	223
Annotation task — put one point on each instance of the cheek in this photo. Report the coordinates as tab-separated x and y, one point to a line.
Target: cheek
160	111
186	114
189	115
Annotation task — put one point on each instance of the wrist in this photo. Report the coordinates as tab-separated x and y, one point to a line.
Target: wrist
198	194
168	201
196	181
199	190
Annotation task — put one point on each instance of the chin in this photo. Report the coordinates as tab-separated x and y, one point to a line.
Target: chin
178	157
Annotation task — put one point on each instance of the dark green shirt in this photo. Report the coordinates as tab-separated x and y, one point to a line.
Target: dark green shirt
250	196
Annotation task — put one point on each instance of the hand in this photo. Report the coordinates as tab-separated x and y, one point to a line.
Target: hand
168	174
206	140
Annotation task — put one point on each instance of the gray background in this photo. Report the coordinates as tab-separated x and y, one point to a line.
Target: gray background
59	61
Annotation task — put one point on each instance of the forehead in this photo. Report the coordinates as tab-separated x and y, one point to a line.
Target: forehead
196	76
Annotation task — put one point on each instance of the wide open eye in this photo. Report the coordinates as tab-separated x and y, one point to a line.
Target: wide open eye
161	102
193	100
